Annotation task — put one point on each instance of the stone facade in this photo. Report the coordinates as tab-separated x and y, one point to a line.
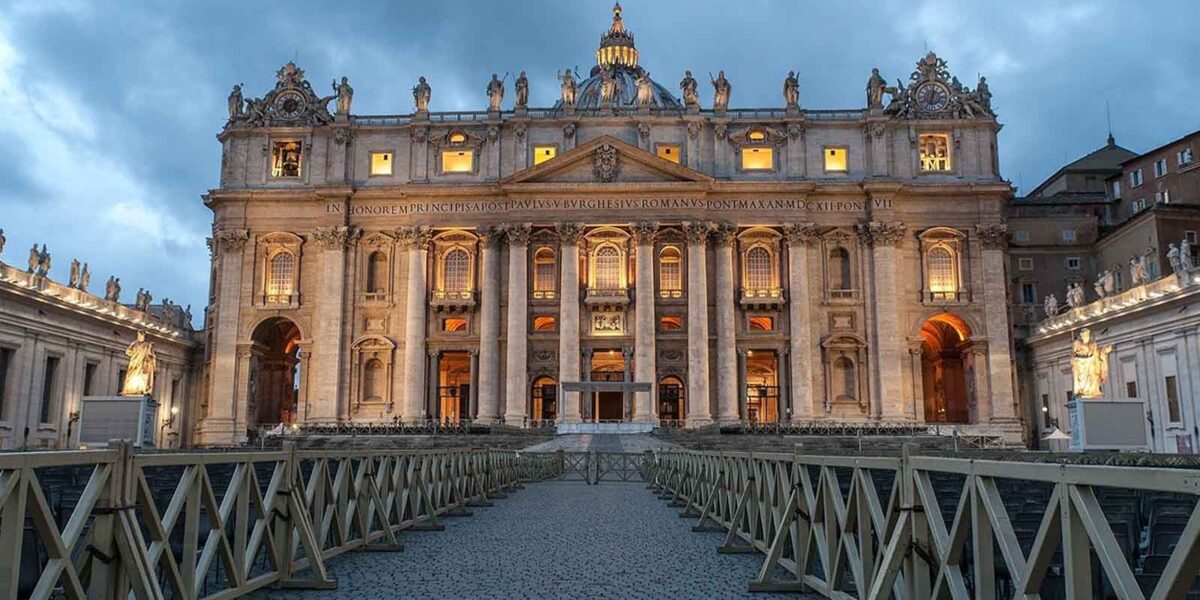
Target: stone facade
778	264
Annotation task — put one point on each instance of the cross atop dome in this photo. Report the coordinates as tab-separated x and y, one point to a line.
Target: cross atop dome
616	45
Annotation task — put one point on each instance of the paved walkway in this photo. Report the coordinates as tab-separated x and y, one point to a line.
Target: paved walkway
602	442
552	540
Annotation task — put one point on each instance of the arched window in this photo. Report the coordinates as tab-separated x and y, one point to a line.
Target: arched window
758	268
543	272
941	272
839	269
608	268
844	379
373	381
544	399
377	268
279	280
456	271
670	273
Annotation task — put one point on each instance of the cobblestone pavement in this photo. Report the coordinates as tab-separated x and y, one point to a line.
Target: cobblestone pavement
552	540
602	442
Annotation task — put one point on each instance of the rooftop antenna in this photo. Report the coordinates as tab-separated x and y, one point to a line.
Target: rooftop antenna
295	56
1108	117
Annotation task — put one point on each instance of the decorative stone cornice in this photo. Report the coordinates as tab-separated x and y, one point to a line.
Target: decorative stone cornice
696	232
232	240
414	238
337	237
878	233
517	234
569	233
644	232
724	234
801	234
993	235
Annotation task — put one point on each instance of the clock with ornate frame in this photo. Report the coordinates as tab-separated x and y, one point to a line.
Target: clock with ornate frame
932	96
290	104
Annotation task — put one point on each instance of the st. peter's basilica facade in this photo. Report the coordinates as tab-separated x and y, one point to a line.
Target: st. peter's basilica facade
625	255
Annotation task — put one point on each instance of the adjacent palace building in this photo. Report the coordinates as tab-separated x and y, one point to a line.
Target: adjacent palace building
626	255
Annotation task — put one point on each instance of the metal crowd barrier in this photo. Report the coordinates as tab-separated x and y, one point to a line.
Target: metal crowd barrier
931	527
107	523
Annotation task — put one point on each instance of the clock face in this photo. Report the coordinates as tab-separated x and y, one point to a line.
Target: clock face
289	105
932	97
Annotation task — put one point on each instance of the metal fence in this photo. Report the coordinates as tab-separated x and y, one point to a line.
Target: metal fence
107	523
591	467
924	527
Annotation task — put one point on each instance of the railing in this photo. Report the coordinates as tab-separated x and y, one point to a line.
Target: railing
592	467
923	527
107	523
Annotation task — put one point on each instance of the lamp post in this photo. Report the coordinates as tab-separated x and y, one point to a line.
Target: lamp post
168	423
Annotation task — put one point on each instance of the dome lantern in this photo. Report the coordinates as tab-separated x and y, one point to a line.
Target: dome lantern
616	45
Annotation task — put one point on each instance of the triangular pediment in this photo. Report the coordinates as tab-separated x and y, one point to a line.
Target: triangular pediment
607	159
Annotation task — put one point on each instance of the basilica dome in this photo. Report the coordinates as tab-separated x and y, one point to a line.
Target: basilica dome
619	57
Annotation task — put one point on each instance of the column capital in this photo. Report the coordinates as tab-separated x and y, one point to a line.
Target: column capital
880	233
489	236
644	232
417	237
434	353
517	234
801	234
696	232
473	352
724	234
569	233
337	237
993	235
231	240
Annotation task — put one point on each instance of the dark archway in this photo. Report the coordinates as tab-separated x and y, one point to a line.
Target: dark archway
671	400
946	339
274	384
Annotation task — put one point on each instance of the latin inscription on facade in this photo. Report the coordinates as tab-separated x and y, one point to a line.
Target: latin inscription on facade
422	207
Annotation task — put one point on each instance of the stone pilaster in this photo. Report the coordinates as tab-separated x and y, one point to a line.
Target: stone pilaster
698	411
995	310
415	241
433	399
568	317
516	388
644	348
473	400
489	327
727	382
886	344
217	427
800	237
742	400
329	388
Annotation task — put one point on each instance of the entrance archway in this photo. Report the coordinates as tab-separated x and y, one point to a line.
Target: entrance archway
670	399
762	386
608	406
544	399
454	387
274	382
944	349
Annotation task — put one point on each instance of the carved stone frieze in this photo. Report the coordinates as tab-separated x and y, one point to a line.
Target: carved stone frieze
644	232
993	235
878	233
801	234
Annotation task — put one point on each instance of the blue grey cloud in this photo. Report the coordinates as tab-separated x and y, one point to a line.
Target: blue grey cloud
110	108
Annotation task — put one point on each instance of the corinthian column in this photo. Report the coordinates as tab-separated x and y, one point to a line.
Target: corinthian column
331	304
217	428
568	316
727	380
643	344
518	326
416	242
799	237
489	326
995	313
698	413
887	335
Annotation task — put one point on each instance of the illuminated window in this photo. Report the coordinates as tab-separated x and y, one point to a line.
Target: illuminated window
761	323
544	323
758	268
454	325
543	273
456	271
756	135
458	161
669	271
458	137
758	159
669	152
542	154
835	160
381	163
941	271
608	268
670	323
285	159
935	152
279	280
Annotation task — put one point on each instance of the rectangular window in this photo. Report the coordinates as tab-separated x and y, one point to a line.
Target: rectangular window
1184	157
89	378
381	163
1073	263
1190	236
935	152
454	325
1028	293
758	159
835	160
1129	374
1160	168
1135	178
1021	236
1138	206
670	323
285	159
6	361
762	323
49	385
668	152
542	154
544	323
1025	264
1163	197
458	161
1116	189
1171	387
1131	389
1068	235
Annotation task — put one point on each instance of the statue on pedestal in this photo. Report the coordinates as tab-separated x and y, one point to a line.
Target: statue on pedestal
1089	365
1173	259
1138	272
522	87
34	258
608	87
345	96
421	95
791	90
85	278
112	289
139	375
691	97
1185	255
235	103
43	262
569	88
875	88
495	93
722	89
1075	297
1051	305
645	89
73	277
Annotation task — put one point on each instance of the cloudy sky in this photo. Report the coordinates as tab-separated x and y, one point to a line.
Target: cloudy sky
108	110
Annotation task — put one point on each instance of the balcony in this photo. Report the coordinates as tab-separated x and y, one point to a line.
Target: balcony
762	298
675	294
453	300
611	298
945	297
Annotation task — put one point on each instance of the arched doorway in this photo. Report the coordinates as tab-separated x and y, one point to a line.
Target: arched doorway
544	398
944	354
670	399
274	382
762	386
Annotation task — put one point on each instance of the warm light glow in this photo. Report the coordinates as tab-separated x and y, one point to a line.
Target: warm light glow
542	154
670	323
381	163
762	323
458	137
458	161
935	152
835	159
669	152
757	135
758	159
942	271
285	159
453	325
174	410
670	273
280	277
543	323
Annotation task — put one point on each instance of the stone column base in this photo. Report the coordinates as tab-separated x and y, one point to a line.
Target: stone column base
218	432
697	422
